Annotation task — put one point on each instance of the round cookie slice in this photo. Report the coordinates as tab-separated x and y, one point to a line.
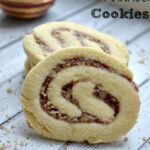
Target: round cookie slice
55	36
80	94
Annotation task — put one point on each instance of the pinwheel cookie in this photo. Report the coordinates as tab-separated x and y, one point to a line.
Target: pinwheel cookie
55	36
80	94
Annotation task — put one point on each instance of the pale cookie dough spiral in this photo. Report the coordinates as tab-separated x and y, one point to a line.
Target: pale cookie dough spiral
56	36
80	94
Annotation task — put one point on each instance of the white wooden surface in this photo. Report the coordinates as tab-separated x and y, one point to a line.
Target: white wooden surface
14	132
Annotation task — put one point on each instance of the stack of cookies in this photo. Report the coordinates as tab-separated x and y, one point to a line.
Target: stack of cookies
78	86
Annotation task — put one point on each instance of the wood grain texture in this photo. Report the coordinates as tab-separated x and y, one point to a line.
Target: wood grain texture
17	134
14	29
12	60
127	30
139	57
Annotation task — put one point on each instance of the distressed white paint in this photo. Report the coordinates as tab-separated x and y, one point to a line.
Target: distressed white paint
12	59
17	132
125	30
12	28
140	57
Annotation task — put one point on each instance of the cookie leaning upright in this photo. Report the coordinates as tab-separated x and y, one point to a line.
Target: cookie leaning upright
80	94
55	36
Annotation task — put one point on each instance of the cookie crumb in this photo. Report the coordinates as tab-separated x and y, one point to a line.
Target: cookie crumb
144	139
5	130
1	127
65	147
9	80
9	90
12	127
127	42
141	61
125	139
21	144
8	141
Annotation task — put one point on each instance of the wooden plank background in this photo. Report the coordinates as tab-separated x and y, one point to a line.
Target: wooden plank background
14	132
